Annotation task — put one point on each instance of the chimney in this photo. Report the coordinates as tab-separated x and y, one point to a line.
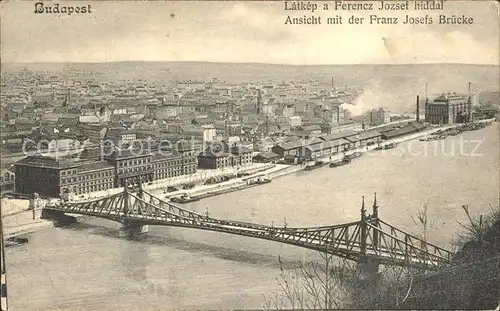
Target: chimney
267	124
418	109
469	105
259	103
426	95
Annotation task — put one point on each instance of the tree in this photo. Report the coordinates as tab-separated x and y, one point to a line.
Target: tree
313	285
471	280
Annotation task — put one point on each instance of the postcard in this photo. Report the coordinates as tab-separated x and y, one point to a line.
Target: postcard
221	155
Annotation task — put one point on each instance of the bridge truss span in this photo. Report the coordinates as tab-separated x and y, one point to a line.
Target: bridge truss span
369	238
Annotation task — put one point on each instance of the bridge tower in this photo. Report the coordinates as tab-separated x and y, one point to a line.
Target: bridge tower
362	242
367	266
131	227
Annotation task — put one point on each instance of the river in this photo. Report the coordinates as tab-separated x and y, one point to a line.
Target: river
87	266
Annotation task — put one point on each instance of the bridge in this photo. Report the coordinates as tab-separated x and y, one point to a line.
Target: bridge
368	240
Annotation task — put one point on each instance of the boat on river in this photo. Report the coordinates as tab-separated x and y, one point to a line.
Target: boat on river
15	241
188	186
184	198
433	137
171	189
452	132
390	146
216	180
354	155
427	138
387	146
344	161
259	180
317	164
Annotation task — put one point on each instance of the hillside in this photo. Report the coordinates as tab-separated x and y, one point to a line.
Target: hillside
472	281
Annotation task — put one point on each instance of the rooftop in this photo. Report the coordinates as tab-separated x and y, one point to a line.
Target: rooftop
449	96
95	166
339	135
128	153
44	161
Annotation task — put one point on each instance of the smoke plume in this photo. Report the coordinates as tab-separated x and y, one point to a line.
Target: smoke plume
397	92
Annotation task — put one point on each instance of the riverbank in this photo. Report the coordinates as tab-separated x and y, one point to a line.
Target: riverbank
231	185
19	221
22	223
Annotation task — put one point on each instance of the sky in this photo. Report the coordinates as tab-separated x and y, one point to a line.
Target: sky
233	31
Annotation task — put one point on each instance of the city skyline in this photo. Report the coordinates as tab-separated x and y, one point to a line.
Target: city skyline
240	32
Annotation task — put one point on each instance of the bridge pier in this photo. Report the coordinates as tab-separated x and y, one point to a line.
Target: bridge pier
58	217
37	214
36	206
368	268
132	229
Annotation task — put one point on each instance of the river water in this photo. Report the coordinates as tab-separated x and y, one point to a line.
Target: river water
87	266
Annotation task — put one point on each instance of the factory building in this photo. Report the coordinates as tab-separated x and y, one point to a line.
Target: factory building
449	108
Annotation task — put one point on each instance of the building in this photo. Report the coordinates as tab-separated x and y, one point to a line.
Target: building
7	180
187	151
376	117
221	155
241	156
44	175
266	157
326	145
51	177
392	132
120	136
322	149
364	138
165	166
295	121
449	108
189	131
89	177
291	148
131	166
209	159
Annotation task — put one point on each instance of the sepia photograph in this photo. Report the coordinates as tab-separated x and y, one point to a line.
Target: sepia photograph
249	155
